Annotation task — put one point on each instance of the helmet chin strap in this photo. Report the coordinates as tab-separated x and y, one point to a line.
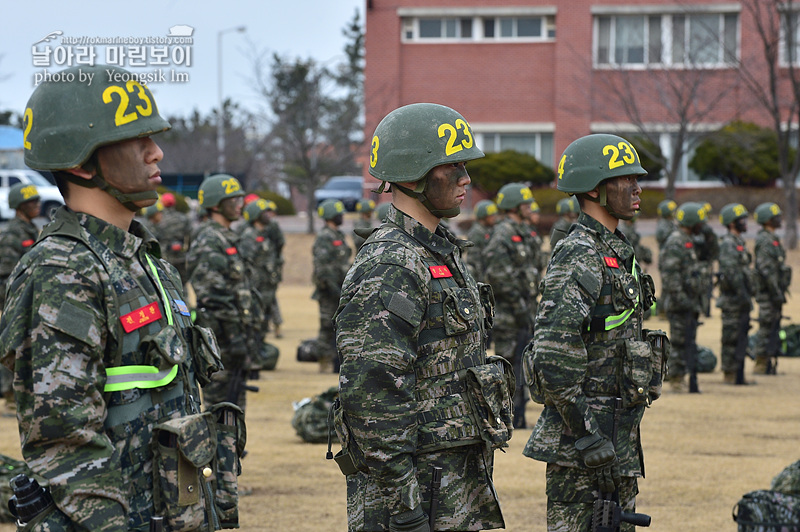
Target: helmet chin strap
97	181
602	199
418	193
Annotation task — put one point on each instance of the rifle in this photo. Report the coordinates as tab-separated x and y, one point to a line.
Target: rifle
607	514
691	351
436	483
238	384
741	346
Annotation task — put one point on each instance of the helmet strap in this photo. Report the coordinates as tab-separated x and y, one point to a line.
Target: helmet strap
602	199
97	181
418	193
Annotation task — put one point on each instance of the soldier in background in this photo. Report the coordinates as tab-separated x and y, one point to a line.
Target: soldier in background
628	228
485	217
151	219
683	283
381	210
567	210
773	278
175	231
219	278
707	249
331	256
410	329
275	234
666	221
588	338
735	283
363	224
513	273
542	257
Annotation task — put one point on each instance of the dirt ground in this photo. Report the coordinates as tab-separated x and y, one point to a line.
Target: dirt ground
702	452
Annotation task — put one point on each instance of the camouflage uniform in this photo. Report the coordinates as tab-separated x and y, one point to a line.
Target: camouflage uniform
275	234
217	273
643	253
174	234
664	228
683	285
735	298
93	297
560	227
15	241
479	234
263	270
364	227
331	256
588	340
409	328
771	283
707	248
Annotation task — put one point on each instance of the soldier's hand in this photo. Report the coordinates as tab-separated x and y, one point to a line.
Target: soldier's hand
411	521
598	455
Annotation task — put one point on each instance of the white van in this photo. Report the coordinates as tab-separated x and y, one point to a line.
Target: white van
51	197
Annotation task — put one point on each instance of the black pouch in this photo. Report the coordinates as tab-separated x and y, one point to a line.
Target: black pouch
231	440
205	354
490	388
637	372
659	343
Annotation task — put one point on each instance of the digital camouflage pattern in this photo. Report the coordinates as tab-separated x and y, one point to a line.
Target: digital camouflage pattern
559	230
174	233
61	331
735	298
310	419
331	256
644	255
707	249
16	239
225	305
410	329
263	268
773	278
589	325
683	285
479	234
664	228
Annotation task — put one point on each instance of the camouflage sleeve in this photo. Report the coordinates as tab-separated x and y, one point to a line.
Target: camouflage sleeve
377	333
571	289
54	334
672	264
327	265
207	266
768	264
10	252
504	276
729	265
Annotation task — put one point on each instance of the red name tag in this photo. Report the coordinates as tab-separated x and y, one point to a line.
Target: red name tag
611	262
739	248
516	238
776	243
27	243
259	239
534	234
231	251
337	243
688	245
440	271
141	317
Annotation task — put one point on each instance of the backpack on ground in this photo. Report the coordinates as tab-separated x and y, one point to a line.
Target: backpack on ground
310	419
308	351
767	511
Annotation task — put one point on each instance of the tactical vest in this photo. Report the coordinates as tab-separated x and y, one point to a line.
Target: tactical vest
450	341
149	374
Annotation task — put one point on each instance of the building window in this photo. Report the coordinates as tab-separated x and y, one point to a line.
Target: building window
667	40
540	145
490	28
790	39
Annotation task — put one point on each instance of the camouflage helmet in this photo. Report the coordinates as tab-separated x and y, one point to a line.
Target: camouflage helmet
67	118
568	205
253	210
484	209
20	193
330	208
666	208
535	207
365	205
272	206
381	210
690	214
732	212
153	209
594	158
413	139
513	195
216	188
765	212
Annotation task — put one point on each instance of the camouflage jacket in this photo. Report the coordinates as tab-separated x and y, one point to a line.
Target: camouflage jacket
588	339
78	306
262	261
410	323
363	226
512	270
643	253
174	233
735	275
664	228
479	235
17	238
331	261
682	279
276	235
536	241
773	276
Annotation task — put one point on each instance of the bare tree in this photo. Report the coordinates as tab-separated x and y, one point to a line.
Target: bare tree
772	77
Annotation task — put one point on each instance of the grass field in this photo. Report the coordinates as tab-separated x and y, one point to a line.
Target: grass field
702	452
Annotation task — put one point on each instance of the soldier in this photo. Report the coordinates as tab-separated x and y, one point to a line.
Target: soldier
666	221
263	268
20	233
152	219
362	226
218	276
175	232
381	210
591	363
567	210
707	249
103	349
684	284
628	228
485	217
275	234
534	217
512	271
773	278
736	293
410	329
331	262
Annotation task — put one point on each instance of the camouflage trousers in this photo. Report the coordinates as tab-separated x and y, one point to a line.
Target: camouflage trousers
732	334
326	339
219	390
682	338
769	320
571	493
506	345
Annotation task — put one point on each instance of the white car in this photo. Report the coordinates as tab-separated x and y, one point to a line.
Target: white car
50	196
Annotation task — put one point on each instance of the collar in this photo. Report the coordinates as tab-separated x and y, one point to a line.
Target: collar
126	244
616	240
442	242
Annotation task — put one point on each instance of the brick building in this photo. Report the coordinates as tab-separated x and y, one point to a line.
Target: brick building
533	75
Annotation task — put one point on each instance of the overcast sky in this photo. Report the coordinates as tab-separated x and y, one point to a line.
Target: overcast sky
293	28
